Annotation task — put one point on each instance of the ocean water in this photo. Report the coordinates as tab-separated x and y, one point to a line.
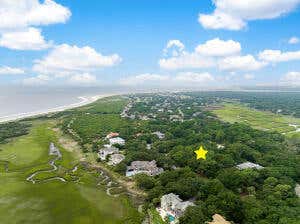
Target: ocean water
21	100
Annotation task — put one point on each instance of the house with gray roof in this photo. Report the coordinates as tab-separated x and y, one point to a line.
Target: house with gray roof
249	165
148	167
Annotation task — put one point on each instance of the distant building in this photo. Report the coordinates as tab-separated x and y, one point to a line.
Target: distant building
218	219
146	167
219	146
117	140
112	135
159	134
115	159
249	165
104	152
172	207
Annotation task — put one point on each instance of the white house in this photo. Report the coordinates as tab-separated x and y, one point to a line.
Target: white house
159	134
104	152
172	207
117	140
249	165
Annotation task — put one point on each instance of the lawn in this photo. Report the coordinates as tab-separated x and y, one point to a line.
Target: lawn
78	202
257	119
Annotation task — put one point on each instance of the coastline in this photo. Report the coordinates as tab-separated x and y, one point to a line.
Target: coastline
84	100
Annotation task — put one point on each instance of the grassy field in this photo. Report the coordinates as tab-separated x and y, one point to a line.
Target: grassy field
258	119
74	202
155	217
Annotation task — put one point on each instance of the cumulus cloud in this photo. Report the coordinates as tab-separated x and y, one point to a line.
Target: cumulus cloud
279	56
67	60
291	78
11	71
234	15
20	17
220	20
28	39
294	40
25	13
147	78
216	53
219	48
241	63
177	46
83	79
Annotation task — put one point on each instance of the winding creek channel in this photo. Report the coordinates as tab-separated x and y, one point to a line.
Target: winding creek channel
52	151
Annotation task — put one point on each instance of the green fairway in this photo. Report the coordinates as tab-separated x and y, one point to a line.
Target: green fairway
77	201
258	119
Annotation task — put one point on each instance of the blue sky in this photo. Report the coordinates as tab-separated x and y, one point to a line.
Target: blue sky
124	42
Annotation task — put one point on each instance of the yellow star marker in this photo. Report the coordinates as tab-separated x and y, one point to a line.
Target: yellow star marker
201	153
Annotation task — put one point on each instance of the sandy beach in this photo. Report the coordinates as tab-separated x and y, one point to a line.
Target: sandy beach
84	100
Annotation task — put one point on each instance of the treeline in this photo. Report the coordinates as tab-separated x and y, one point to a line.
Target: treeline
247	196
12	129
287	103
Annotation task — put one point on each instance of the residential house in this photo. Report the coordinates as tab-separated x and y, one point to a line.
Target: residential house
219	146
172	207
148	167
115	159
104	152
159	134
117	141
249	165
112	135
218	219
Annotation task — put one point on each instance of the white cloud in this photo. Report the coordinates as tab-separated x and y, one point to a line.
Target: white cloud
294	40
194	78
28	39
219	48
220	20
67	60
233	14
37	81
25	13
241	63
19	19
291	78
83	79
204	56
177	46
144	79
279	56
11	71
